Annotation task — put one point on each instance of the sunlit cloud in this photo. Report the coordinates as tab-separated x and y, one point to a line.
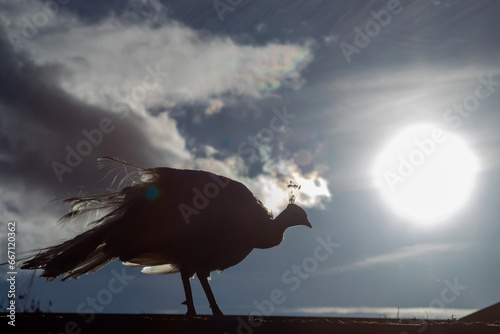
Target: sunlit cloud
272	185
126	56
214	107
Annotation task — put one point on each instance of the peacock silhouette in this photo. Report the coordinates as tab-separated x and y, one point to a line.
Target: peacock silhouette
169	221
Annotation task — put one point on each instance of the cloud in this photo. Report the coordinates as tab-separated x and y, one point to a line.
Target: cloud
200	67
41	123
271	186
138	68
374	311
31	209
214	107
401	254
141	67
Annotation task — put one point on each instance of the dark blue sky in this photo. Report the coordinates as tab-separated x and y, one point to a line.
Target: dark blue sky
263	92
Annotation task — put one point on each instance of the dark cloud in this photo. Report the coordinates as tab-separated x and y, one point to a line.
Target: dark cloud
39	120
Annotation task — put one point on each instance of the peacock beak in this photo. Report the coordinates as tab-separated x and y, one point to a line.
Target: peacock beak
308	224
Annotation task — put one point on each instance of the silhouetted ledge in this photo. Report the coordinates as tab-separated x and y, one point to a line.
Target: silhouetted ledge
487	314
70	323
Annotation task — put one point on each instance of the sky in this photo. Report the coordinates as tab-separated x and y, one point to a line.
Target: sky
386	112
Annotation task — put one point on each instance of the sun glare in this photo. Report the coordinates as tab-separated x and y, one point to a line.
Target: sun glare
425	173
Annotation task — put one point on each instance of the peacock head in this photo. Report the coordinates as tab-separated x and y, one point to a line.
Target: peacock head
294	215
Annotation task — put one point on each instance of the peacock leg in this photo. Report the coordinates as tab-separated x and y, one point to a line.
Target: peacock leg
189	295
208	291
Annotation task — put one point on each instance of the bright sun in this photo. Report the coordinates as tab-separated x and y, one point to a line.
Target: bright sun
425	173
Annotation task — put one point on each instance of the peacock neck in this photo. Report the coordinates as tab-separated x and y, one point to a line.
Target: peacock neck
272	235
